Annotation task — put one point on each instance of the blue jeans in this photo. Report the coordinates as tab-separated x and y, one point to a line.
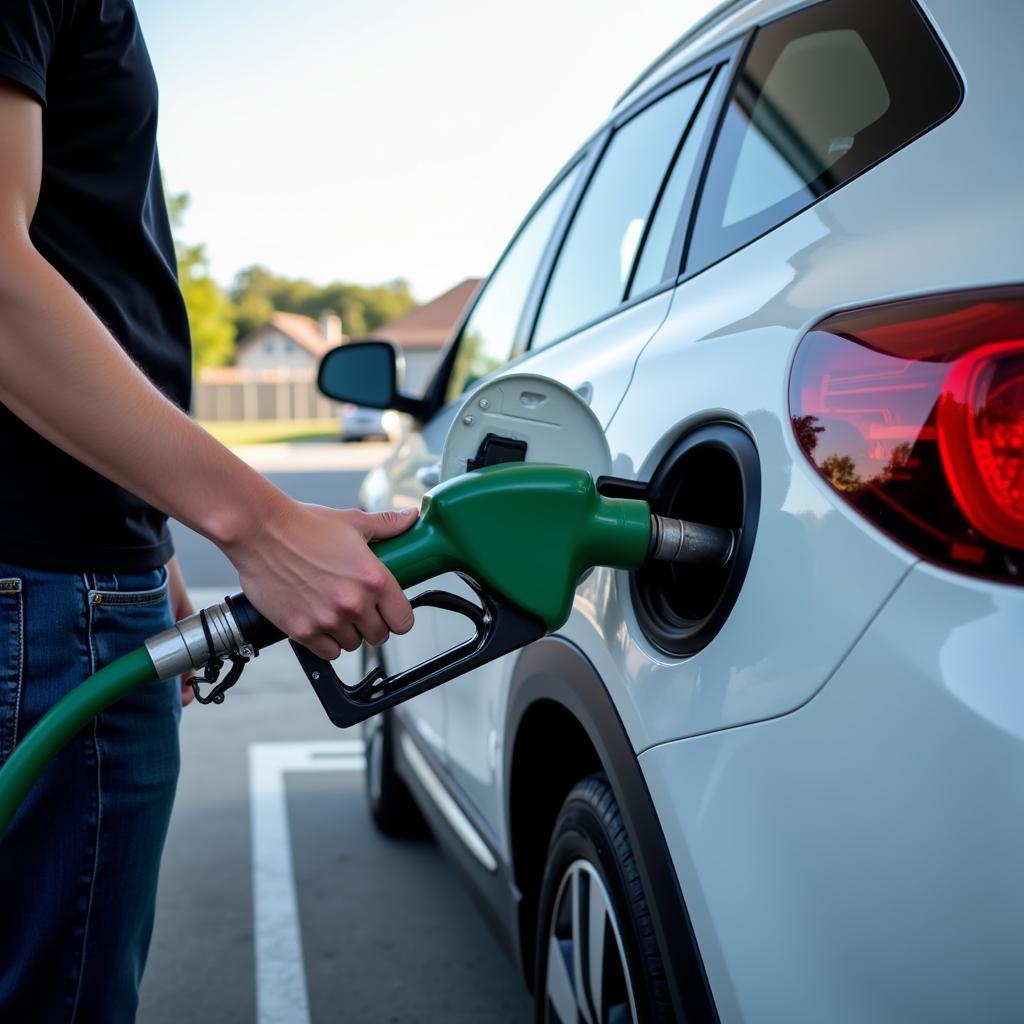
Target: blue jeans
78	868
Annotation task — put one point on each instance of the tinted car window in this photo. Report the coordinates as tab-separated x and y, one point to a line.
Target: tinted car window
824	94
594	265
650	269
487	340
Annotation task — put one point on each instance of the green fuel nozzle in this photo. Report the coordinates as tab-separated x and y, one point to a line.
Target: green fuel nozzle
527	532
521	535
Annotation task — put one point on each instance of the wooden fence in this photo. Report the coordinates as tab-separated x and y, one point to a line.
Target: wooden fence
231	393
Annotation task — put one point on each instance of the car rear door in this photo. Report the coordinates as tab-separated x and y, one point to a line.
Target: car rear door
603	296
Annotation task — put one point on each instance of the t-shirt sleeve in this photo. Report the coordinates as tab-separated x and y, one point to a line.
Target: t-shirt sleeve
27	32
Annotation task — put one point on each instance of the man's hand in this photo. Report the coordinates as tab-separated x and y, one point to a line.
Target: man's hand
310	571
181	608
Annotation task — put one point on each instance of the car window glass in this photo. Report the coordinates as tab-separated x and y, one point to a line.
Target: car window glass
594	265
650	270
792	137
824	94
487	340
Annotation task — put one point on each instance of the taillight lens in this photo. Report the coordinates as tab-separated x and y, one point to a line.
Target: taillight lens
981	438
914	413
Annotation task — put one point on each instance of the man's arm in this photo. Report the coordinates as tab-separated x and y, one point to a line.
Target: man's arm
305	567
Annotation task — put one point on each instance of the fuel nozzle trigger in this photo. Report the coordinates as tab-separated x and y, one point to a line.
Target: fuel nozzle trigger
500	628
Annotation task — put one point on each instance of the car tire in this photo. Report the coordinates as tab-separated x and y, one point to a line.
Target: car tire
392	806
594	914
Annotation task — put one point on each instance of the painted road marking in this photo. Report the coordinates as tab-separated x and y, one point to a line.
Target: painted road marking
281	996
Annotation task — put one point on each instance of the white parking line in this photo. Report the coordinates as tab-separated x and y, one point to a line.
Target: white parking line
281	996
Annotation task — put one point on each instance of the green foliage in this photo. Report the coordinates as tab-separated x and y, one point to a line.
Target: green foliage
257	291
252	311
217	318
211	314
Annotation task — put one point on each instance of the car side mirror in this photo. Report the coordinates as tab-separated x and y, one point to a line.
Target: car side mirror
366	373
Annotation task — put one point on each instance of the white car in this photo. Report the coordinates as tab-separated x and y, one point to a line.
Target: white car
357	423
786	274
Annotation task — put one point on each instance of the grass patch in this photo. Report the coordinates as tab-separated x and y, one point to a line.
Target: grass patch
241	432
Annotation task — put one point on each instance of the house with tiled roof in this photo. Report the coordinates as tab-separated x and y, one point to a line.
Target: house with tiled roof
289	341
423	333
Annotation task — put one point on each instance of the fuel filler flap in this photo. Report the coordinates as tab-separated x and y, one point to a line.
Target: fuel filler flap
523	417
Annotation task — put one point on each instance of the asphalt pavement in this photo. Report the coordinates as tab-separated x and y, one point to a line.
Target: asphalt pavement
274	880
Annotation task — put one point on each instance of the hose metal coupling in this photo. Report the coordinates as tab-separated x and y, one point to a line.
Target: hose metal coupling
201	639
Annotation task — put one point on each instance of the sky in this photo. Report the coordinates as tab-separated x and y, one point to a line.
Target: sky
337	140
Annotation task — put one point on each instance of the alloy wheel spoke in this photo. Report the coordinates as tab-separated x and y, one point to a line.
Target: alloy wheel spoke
596	927
580	919
560	994
587	976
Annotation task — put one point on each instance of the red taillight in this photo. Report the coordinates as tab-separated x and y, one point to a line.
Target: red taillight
914	413
981	438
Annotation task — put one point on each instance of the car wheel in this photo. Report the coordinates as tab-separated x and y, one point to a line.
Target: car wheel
392	807
597	956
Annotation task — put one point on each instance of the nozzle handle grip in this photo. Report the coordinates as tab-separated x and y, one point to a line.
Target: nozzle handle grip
500	628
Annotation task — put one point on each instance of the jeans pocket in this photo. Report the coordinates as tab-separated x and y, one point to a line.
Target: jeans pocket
12	661
121	620
139	590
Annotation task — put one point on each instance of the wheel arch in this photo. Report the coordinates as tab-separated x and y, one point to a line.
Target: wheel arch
561	722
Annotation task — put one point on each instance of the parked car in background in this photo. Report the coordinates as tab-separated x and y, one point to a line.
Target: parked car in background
358	423
787	275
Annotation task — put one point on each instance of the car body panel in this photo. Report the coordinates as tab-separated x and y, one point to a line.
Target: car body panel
819	571
596	362
860	858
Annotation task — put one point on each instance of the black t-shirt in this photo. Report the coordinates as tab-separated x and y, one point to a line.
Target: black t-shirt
102	223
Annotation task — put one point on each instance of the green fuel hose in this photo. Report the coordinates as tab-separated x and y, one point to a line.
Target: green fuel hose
69	715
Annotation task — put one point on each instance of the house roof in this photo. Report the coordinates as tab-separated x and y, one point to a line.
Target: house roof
303	330
430	325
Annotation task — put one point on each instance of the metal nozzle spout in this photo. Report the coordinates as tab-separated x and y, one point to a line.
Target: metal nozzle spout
676	540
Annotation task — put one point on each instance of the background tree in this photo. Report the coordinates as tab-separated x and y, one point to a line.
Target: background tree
841	470
217	318
807	430
211	314
899	460
257	291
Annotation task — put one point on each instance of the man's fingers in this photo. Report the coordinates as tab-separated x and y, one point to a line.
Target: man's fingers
381	525
395	609
373	628
324	588
347	636
324	646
